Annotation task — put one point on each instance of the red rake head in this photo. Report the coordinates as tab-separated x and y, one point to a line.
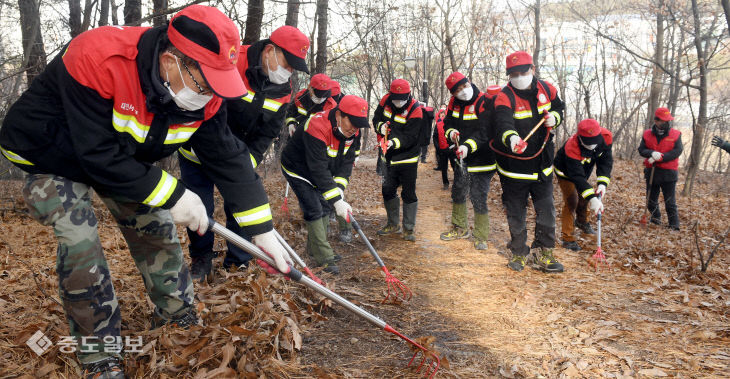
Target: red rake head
599	260
398	290
429	361
285	207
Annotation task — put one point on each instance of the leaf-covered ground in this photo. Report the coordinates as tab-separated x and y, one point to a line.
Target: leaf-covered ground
652	314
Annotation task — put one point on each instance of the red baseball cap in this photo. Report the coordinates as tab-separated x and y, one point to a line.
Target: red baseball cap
493	90
336	89
295	45
455	80
356	109
518	61
400	89
663	114
589	131
320	83
209	37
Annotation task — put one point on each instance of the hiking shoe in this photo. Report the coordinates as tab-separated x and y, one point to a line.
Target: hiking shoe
518	262
345	236
331	268
389	229
184	321
409	236
546	262
454	234
585	227
201	266
337	257
571	245
107	368
480	245
656	221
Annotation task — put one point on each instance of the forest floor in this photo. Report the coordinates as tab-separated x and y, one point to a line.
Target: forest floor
652	314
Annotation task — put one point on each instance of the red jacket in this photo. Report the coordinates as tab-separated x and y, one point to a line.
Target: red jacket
665	145
442	142
304	107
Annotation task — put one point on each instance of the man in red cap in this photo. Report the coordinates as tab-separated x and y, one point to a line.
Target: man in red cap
114	102
661	146
255	119
574	163
466	124
399	119
317	97
444	155
526	169
317	163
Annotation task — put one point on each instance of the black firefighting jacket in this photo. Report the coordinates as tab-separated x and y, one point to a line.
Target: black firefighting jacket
575	163
471	119
405	129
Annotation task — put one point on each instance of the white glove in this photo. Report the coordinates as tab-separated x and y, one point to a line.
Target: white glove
271	246
343	209
550	120
384	127
292	128
190	211
462	151
657	156
601	191
454	136
595	205
651	160
390	144
517	144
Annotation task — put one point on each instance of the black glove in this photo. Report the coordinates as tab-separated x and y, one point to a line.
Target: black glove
717	141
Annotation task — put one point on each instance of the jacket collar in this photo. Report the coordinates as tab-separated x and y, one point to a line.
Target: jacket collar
257	79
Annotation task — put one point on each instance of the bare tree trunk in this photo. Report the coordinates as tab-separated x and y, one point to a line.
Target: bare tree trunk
253	21
104	13
34	54
726	8
698	130
132	11
656	76
74	17
158	7
321	59
115	12
536	53
292	13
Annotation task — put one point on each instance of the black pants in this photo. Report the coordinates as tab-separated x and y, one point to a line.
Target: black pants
444	157
476	185
670	202
311	202
380	164
515	194
424	152
401	175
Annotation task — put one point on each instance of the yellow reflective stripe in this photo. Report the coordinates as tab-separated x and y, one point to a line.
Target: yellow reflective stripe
410	160
272	105
471	143
301	110
162	192
331	194
254	216
470	116
253	161
331	152
548	171
387	113
15	157
522	115
249	96
357	153
189	155
345	150
454	114
542	108
557	117
290	120
516	175
587	193
128	124
604	179
396	143
178	135
341	180
487	168
399	119
507	134
448	133
560	173
306	124
293	175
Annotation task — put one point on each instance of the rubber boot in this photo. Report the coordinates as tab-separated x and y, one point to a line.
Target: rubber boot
392	208
459	226
318	245
345	230
481	230
409	220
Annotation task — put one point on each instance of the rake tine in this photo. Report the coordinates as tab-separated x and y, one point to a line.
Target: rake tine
296	275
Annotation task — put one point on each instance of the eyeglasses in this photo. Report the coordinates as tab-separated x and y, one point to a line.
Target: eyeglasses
200	89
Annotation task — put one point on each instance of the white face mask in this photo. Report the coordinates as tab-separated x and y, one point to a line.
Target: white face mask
522	81
317	100
186	98
465	94
399	103
280	75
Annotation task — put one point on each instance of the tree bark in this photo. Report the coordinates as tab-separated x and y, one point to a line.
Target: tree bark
74	17
253	22
321	59
536	53
656	76
115	8
292	13
726	8
34	54
104	13
132	11
159	6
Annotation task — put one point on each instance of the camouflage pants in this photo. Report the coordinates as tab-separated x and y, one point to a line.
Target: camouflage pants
84	280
